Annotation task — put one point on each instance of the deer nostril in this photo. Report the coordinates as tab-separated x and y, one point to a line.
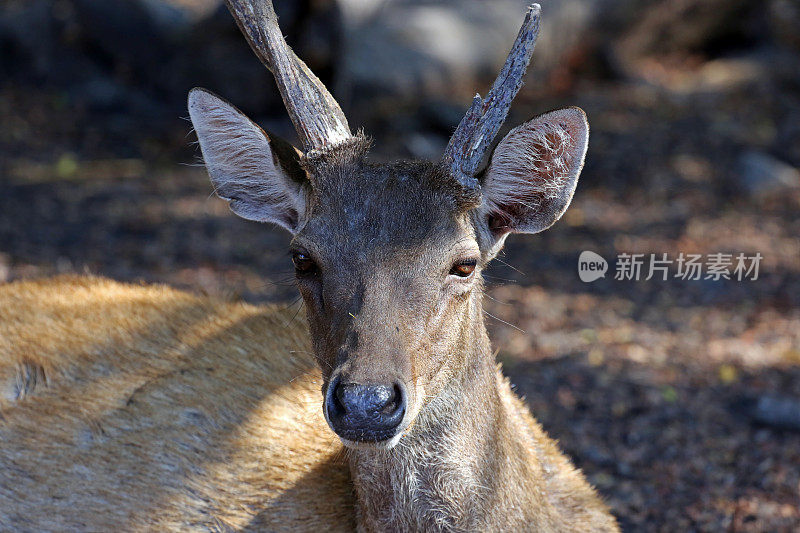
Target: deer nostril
394	402
365	412
339	398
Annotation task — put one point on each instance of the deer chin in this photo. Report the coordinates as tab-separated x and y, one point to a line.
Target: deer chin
387	444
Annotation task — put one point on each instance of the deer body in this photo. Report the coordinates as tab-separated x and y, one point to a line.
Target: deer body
146	408
162	410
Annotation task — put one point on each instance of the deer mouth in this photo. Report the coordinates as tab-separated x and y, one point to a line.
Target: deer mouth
386	444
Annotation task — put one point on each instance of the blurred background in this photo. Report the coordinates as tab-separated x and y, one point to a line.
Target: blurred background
679	399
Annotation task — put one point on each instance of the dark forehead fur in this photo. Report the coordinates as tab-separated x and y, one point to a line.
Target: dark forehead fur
396	203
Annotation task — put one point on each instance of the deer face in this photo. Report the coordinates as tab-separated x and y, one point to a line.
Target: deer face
388	258
388	265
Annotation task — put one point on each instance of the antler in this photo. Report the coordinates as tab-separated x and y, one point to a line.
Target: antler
317	117
478	128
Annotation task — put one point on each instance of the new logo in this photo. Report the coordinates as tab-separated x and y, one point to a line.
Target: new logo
591	266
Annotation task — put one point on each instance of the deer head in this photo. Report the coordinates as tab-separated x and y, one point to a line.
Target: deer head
388	258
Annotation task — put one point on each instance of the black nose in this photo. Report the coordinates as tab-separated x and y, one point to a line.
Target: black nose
365	413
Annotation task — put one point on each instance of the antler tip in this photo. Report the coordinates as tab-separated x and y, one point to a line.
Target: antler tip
483	119
531	21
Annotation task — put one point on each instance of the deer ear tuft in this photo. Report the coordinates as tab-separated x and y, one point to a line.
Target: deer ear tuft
534	171
256	174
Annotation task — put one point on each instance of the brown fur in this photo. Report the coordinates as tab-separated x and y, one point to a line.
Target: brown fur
145	408
156	410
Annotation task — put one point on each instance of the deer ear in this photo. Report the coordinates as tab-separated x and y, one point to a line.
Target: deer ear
533	173
260	175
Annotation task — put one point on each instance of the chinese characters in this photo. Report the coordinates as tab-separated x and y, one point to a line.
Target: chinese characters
715	266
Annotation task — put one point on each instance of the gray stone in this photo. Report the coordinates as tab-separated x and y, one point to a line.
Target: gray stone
417	48
763	176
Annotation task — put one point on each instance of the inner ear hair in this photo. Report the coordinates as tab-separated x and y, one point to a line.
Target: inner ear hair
259	175
533	172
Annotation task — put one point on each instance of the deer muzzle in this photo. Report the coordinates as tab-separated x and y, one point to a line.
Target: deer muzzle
365	413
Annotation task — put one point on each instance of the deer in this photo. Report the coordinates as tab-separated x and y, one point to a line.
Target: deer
141	407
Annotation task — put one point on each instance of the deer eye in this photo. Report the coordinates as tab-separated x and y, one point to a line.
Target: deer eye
303	264
464	268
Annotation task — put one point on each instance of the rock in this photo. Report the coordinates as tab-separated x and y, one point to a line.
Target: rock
777	411
680	26
420	48
27	38
425	146
784	19
108	56
415	54
124	32
762	175
172	15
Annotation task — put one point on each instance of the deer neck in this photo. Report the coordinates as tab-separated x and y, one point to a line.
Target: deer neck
460	461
